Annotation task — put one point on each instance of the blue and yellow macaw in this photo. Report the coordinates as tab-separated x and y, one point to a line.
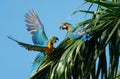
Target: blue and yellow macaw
39	38
82	34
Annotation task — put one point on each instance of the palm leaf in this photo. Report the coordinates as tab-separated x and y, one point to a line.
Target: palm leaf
76	59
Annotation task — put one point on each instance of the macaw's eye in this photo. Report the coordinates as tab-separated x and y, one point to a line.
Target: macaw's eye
63	27
54	40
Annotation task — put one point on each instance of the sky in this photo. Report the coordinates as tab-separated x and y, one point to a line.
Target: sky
15	61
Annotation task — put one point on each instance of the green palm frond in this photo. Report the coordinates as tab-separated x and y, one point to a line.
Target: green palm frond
76	59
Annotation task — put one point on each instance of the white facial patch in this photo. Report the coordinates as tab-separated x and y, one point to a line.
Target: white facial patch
64	26
54	41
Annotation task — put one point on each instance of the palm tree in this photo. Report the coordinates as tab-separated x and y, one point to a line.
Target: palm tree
75	59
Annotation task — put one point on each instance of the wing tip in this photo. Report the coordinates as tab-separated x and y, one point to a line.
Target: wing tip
10	37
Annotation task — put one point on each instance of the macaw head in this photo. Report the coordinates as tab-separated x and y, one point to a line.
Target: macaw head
53	40
65	26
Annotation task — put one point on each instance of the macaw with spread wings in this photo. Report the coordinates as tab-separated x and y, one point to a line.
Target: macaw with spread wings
82	34
39	38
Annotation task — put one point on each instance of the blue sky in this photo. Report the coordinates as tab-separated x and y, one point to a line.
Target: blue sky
15	61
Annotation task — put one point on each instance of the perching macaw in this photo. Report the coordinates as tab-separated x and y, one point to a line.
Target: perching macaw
82	34
39	38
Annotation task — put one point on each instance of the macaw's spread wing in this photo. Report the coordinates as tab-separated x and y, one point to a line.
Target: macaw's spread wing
29	46
36	28
32	47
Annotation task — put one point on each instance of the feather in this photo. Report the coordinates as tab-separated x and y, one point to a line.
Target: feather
36	28
29	46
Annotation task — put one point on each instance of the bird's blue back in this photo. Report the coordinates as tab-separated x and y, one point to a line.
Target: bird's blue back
83	37
78	34
40	38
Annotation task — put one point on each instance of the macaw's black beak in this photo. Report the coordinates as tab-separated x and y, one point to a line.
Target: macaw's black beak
56	39
61	28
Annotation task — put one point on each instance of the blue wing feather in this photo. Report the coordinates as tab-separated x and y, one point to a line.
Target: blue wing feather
36	28
37	62
85	37
39	57
39	37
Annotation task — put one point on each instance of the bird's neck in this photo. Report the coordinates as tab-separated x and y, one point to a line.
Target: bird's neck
50	45
68	27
